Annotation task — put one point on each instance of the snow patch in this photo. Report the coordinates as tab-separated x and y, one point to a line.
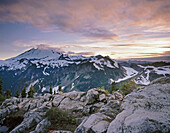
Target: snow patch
43	89
33	83
130	72
72	86
45	73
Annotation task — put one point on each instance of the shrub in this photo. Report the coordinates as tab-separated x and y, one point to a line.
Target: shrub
61	119
127	87
23	93
31	92
8	93
113	87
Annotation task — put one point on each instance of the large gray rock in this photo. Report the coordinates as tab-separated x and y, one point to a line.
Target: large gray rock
74	95
7	111
30	120
69	104
92	96
41	127
112	108
95	123
57	100
145	110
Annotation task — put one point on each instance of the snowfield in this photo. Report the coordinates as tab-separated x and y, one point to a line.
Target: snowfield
130	72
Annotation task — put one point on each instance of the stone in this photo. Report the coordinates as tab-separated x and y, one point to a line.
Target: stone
92	96
144	110
102	97
30	120
95	123
112	108
57	100
118	96
41	127
7	111
74	95
69	104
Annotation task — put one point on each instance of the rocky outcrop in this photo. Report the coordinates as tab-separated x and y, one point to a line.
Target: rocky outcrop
42	126
146	109
81	103
96	123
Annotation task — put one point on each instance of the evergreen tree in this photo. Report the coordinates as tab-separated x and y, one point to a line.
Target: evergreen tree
23	93
17	94
1	82
113	87
60	88
8	93
31	92
51	90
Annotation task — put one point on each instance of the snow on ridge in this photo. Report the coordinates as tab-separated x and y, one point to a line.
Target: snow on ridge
116	64
72	86
130	72
45	73
158	70
100	63
33	83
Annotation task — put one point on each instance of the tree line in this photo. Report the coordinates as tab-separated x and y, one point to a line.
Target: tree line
125	87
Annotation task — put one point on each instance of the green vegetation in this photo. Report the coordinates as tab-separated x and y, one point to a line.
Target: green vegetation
60	88
125	87
61	119
23	93
17	94
3	95
113	87
51	90
8	93
31	92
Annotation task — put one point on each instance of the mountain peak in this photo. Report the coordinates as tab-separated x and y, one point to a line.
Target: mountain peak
38	53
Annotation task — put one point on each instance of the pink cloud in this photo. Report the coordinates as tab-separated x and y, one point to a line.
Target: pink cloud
98	19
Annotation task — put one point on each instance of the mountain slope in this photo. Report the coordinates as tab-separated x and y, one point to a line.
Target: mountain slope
45	68
48	68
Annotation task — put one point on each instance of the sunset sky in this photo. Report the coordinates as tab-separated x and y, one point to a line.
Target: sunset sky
117	28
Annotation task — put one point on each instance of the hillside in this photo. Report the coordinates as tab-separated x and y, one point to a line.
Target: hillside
45	68
146	109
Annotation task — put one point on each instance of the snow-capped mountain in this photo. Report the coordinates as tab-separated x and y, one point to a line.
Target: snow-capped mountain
45	68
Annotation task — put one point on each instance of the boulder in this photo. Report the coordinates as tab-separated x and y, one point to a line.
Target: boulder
92	96
95	123
112	108
41	127
102	97
69	104
57	100
144	110
31	119
8	110
118	96
74	95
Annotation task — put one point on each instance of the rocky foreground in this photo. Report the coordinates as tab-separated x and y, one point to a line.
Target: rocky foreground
145	110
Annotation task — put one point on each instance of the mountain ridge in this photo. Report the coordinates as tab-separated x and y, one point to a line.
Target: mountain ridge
45	68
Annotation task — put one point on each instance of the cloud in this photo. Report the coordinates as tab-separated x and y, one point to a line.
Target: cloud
97	19
81	53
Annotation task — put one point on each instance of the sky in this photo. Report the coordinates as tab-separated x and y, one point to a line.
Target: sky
116	28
